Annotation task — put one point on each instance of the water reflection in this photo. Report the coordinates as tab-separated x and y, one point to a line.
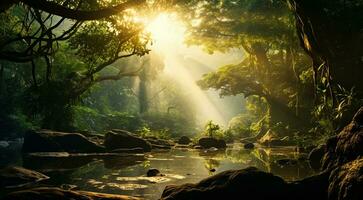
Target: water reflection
127	174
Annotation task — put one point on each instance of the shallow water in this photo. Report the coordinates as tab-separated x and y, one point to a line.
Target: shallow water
125	174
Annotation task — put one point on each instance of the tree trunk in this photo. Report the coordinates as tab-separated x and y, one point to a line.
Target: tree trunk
280	112
330	32
143	97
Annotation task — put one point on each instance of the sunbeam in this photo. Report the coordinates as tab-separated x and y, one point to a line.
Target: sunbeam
168	35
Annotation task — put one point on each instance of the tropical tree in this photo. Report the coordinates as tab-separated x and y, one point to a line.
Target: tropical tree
275	68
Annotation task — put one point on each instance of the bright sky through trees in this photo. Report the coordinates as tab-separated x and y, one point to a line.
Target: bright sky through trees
168	35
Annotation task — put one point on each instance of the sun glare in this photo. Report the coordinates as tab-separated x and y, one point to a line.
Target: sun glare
166	31
168	36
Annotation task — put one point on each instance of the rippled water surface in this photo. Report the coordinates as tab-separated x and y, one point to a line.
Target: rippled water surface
126	174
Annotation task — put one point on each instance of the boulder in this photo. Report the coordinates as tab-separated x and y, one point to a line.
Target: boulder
347	145
53	141
184	140
315	157
12	177
249	183
52	193
208	142
346	182
160	143
249	146
125	139
152	172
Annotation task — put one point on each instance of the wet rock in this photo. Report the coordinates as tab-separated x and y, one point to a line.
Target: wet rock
52	141
184	140
249	183
249	146
12	177
198	147
211	150
160	143
50	193
315	157
152	172
126	140
120	131
208	142
346	182
347	145
132	150
313	187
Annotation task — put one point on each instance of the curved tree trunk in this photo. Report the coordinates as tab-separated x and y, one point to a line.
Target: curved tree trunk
330	31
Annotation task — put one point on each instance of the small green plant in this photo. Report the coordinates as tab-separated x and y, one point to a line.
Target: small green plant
211	129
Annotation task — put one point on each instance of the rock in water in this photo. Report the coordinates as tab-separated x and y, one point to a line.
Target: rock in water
50	193
12	177
346	182
249	146
53	141
160	143
184	140
249	183
122	140
152	172
208	142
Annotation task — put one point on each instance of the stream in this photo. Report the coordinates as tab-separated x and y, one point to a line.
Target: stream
126	174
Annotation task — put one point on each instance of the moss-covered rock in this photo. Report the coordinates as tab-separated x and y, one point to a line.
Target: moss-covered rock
125	139
53	141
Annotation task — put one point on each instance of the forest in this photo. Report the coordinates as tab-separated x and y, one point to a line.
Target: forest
181	99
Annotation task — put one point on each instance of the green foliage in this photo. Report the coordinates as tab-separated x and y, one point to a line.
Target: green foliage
175	124
211	129
273	73
240	126
98	42
147	132
88	119
214	130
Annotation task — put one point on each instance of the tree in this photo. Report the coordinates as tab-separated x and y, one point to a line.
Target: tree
73	10
211	128
36	39
273	63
